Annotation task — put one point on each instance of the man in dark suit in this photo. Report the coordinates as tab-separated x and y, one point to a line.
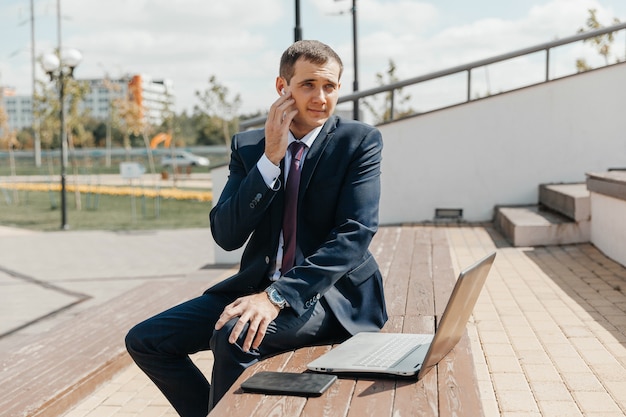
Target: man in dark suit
320	289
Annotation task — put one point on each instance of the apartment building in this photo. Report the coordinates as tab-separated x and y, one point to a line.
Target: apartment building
19	109
153	95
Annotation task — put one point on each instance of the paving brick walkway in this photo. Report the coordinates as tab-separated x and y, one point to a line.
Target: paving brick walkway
551	327
548	336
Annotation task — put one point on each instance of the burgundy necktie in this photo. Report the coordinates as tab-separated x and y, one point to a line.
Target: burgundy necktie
290	216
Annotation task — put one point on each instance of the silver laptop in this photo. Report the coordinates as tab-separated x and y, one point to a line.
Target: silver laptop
410	354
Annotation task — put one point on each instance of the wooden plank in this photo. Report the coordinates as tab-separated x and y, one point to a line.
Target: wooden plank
420	287
419	324
393	325
372	398
443	272
383	247
334	402
417	398
237	403
457	388
396	284
458	391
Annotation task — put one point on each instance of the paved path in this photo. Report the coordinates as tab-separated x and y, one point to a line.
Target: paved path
548	333
42	274
49	280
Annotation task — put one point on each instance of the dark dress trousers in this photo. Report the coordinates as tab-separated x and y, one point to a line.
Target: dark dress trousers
334	290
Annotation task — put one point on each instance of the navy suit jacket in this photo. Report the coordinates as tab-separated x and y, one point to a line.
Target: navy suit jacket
338	204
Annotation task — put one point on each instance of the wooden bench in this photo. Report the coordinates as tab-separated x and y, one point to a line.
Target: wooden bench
418	276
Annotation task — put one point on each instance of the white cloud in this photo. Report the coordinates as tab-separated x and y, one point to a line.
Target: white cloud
417	54
398	17
185	40
240	41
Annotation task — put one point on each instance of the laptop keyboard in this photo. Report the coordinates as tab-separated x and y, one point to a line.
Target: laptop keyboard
391	352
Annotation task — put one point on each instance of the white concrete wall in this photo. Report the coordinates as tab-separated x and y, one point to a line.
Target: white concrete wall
608	226
219	176
497	151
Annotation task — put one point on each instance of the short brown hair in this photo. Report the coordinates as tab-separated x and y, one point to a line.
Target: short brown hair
309	50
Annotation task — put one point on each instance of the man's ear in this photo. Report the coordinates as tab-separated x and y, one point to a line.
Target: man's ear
281	85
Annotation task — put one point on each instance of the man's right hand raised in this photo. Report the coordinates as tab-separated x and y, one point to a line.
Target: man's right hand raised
277	125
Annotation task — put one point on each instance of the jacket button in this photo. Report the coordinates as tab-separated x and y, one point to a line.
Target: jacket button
267	260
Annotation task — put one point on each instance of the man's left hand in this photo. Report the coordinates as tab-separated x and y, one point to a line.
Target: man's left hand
255	309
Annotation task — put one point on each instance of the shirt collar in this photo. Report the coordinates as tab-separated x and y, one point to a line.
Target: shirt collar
309	138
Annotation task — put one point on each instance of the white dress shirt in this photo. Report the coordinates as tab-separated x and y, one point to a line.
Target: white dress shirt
271	173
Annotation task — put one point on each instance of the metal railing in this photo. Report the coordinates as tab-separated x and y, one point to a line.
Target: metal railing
257	121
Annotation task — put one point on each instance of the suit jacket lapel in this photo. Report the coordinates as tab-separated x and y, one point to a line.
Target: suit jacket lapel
315	153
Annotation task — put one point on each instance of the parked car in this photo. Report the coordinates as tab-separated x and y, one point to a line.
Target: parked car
184	159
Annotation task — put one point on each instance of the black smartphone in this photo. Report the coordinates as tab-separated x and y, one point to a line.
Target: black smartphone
288	383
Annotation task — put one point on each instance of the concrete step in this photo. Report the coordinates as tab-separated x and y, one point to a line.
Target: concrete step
538	226
571	200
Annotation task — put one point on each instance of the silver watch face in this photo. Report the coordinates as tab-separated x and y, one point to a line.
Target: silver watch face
275	297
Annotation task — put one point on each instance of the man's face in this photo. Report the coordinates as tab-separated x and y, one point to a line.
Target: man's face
315	89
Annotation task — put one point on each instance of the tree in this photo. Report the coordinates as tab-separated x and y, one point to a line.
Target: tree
393	101
47	108
602	43
217	111
184	127
131	120
75	116
8	140
5	132
8	136
99	130
26	138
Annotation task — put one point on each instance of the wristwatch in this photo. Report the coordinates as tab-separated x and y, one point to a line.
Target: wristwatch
275	297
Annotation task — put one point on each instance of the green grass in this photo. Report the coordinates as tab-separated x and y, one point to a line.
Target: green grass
41	211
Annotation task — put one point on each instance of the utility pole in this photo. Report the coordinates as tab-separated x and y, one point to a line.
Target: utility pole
32	60
355	85
355	60
297	30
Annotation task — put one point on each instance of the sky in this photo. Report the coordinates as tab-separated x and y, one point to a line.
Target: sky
240	41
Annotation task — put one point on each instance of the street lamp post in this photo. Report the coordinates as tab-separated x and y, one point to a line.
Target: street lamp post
355	56
60	68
